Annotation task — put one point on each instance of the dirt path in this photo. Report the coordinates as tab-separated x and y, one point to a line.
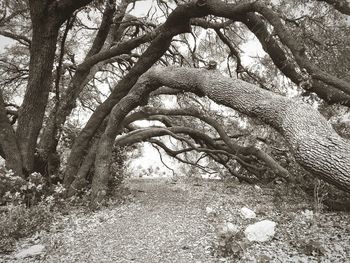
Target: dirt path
165	223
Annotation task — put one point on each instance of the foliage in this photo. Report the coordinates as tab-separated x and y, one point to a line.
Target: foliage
18	221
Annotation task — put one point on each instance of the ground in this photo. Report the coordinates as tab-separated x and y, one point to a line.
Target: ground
177	221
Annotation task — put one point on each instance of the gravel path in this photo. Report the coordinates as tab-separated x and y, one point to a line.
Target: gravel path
165	223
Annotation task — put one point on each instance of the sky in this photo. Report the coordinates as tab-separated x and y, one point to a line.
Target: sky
4	41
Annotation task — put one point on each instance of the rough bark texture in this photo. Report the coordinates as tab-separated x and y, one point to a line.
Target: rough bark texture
178	22
57	117
47	17
42	53
80	180
312	140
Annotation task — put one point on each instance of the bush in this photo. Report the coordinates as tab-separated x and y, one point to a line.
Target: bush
17	221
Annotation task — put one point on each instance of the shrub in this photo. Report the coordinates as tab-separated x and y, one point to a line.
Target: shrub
17	221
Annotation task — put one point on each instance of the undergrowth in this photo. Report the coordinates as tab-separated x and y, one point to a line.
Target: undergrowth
19	221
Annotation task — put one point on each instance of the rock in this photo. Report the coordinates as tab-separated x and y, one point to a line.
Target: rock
261	231
257	187
247	213
308	214
30	252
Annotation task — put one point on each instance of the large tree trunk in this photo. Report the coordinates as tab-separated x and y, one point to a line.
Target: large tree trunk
57	117
47	16
42	54
312	140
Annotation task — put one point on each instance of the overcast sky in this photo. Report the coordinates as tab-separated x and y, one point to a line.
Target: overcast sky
4	41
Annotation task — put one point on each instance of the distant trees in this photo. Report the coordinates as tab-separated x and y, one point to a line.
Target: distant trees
112	72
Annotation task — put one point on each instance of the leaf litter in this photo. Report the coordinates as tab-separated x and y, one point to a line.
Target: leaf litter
164	221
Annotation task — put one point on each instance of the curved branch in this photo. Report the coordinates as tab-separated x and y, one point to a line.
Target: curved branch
271	46
312	140
166	149
234	148
298	50
177	22
161	159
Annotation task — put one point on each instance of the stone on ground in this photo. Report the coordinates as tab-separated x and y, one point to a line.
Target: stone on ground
30	252
247	213
261	231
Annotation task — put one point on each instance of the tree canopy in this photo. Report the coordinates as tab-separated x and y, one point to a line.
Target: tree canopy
260	87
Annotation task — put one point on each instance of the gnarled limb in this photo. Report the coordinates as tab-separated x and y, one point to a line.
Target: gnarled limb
312	140
177	22
234	148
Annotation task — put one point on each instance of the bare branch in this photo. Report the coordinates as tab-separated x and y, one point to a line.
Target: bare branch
21	39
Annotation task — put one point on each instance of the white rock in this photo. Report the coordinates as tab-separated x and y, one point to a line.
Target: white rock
261	231
308	214
30	252
247	213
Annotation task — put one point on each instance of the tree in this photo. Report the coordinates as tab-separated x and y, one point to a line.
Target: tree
125	49
47	18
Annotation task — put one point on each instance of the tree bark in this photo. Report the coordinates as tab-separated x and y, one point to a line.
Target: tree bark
57	117
311	139
42	54
47	16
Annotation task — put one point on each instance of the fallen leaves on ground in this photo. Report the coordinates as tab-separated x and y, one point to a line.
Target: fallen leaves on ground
177	222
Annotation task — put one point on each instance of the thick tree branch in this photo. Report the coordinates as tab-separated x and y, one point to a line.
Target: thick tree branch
67	7
236	11
103	30
312	140
286	66
298	50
